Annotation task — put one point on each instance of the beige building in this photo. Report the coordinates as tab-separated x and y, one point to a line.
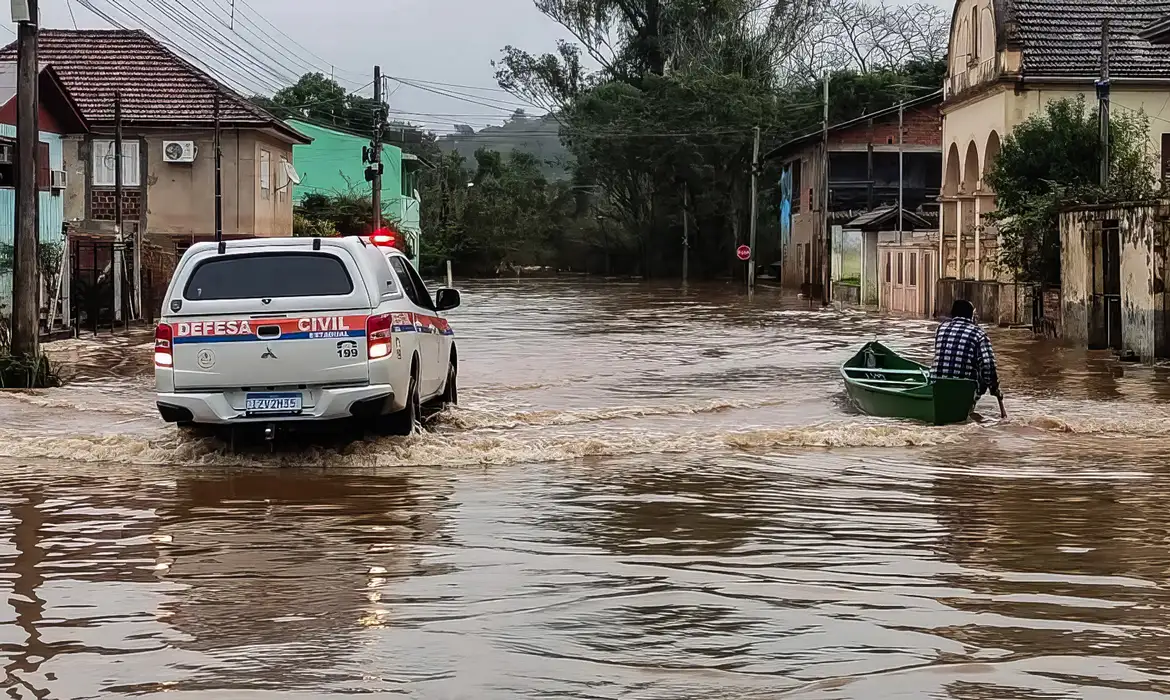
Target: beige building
1113	269
168	156
1008	58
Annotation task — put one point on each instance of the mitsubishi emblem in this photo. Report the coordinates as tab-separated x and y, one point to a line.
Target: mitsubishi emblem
268	354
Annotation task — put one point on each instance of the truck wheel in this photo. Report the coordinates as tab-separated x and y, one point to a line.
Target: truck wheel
402	422
451	388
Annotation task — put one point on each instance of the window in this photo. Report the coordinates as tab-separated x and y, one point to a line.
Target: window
265	174
901	272
282	181
974	35
797	192
411	283
104	164
407	183
7	162
887	255
269	276
1165	160
914	269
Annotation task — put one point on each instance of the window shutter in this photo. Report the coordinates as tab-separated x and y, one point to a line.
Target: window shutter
44	172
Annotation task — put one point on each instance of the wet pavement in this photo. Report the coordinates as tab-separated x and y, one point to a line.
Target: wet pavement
645	494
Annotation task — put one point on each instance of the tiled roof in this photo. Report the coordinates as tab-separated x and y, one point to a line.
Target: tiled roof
1062	38
157	86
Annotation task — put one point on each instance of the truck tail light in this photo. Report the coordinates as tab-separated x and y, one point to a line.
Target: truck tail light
378	336
164	337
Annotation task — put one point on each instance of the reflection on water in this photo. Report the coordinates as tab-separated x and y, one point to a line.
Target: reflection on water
647	494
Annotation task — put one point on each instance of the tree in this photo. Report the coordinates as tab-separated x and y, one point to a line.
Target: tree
321	100
863	36
1052	161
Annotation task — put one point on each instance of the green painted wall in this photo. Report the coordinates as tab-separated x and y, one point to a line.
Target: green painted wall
333	163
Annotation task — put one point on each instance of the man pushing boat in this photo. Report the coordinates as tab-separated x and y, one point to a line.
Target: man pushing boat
962	350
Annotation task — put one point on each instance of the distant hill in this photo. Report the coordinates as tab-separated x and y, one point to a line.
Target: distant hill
539	136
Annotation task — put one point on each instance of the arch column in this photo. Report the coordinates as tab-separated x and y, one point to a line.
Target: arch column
978	235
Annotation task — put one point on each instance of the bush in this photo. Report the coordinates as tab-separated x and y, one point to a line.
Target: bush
23	372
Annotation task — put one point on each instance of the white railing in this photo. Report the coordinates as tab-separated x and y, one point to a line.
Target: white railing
973	76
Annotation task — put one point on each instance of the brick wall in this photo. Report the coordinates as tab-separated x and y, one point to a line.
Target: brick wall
922	127
101	204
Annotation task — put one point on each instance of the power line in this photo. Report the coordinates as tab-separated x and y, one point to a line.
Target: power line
499	105
69	5
173	43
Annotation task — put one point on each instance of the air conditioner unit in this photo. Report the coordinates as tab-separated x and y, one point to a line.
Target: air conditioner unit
59	180
6	152
179	151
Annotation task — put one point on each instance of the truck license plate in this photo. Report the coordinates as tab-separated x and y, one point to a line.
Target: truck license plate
273	402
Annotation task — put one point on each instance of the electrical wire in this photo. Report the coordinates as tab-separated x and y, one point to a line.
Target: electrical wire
174	44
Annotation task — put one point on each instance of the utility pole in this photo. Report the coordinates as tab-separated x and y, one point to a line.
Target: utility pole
120	313
751	275
901	166
686	233
218	177
1103	103
25	284
826	250
376	150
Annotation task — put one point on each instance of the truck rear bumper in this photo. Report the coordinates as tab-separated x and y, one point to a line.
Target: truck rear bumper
331	404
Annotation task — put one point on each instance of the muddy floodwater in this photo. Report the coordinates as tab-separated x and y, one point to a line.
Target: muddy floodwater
645	494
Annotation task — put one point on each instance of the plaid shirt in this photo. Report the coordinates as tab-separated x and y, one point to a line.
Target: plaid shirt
963	350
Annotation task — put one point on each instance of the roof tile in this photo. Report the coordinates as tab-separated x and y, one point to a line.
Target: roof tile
1062	38
156	85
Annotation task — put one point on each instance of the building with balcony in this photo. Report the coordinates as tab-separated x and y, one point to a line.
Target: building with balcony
1007	60
864	175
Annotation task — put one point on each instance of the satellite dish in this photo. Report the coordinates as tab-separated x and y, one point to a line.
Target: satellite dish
291	172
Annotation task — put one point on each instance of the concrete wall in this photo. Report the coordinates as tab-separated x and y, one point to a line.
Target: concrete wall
274	209
1143	267
178	199
1076	284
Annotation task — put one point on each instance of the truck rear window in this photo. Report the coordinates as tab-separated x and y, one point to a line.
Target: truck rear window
268	276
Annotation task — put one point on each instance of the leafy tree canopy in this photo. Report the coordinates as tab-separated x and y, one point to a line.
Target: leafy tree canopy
1052	161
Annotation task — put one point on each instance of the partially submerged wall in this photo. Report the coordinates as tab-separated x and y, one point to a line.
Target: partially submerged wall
1142	236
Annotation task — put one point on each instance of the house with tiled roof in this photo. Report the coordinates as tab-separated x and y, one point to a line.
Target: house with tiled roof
168	161
1007	60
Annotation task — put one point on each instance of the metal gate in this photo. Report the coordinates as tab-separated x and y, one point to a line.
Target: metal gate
101	287
1105	329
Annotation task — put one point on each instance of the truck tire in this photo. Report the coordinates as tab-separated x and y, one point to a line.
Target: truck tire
402	423
451	388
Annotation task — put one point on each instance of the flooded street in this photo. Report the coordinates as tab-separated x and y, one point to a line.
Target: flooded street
645	494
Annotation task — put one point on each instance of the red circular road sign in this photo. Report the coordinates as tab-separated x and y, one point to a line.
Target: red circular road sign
743	253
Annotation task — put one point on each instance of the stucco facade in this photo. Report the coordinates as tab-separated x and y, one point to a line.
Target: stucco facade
178	199
1113	278
1006	62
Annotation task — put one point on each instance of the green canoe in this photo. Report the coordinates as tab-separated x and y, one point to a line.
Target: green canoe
883	383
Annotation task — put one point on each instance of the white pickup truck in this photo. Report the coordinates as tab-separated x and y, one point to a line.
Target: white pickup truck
277	330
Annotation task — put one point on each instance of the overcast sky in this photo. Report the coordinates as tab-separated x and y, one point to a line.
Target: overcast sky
437	41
